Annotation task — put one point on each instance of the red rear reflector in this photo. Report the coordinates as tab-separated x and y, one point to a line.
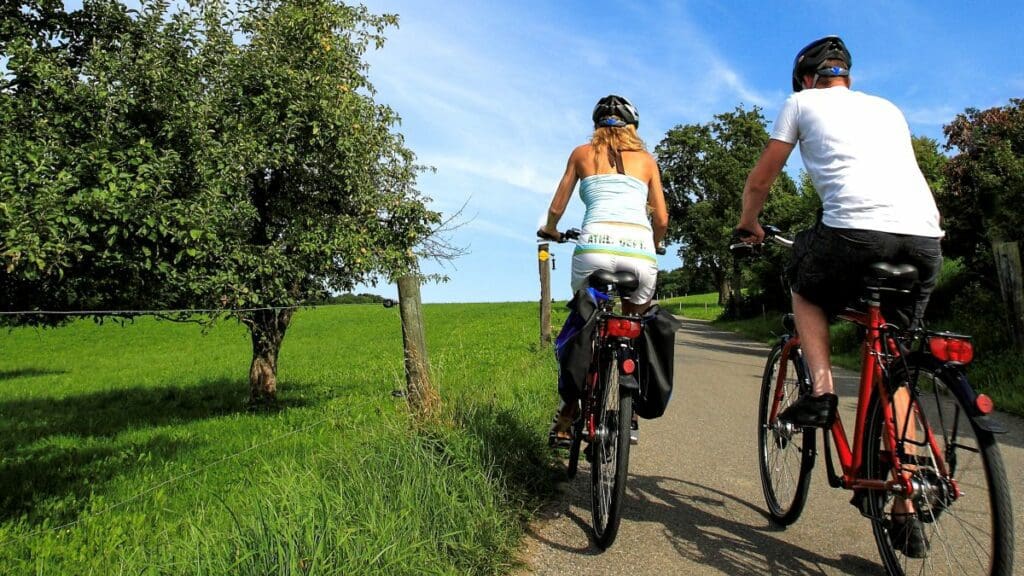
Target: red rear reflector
628	366
984	404
951	349
622	328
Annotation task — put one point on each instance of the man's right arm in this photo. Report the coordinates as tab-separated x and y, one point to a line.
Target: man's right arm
759	182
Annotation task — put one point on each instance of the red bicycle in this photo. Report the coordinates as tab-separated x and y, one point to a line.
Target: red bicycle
921	434
606	402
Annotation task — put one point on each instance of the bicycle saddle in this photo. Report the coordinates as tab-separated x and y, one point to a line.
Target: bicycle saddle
624	282
889	277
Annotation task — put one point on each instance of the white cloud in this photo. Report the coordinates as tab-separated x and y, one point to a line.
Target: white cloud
496	96
937	115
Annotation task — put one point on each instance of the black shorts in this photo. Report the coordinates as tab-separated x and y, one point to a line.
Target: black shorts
828	266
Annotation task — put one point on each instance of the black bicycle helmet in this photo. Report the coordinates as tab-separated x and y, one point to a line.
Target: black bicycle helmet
810	58
615	111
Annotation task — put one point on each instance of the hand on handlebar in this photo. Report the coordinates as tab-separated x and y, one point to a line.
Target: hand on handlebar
545	235
559	237
749	232
747	243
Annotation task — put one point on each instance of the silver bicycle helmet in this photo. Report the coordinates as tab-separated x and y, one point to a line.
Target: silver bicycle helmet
615	111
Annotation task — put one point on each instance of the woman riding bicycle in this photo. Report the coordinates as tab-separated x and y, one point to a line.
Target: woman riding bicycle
625	217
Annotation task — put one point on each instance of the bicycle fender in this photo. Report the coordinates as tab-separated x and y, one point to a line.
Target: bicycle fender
968	397
628	381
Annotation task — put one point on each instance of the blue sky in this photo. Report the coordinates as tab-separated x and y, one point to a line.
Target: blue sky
495	95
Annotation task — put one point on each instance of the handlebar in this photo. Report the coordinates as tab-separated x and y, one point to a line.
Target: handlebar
573	234
567	236
740	248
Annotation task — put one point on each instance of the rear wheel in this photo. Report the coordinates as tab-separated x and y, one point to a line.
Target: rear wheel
574	448
785	452
970	534
610	454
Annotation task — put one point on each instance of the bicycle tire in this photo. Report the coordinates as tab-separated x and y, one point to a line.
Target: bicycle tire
960	541
609	454
574	449
785	453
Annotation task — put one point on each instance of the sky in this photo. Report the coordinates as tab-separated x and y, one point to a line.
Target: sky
494	95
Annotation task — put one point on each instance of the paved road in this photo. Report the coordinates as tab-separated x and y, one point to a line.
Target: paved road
694	502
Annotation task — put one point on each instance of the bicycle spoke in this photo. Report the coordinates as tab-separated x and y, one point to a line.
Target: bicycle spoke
971	534
784	450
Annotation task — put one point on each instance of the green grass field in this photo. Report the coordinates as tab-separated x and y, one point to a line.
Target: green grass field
697	306
131	450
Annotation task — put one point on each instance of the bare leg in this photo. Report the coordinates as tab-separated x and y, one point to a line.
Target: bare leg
901	405
812	325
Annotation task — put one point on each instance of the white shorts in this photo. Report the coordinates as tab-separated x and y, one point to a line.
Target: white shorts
617	248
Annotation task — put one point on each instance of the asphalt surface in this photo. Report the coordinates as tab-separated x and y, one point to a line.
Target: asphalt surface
693	497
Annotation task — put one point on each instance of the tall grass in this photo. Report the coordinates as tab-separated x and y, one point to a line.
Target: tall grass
132	450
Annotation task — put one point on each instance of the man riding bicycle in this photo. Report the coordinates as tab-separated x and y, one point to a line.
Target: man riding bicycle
876	206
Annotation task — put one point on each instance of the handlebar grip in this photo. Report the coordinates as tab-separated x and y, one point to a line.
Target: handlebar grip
660	250
571	234
738	234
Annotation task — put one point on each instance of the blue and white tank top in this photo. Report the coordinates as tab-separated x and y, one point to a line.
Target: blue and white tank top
614	198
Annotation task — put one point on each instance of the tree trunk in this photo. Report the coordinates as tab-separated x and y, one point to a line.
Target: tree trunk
267	328
423	399
724	287
737	287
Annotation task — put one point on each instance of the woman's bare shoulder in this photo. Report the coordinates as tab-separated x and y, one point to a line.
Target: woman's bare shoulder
582	151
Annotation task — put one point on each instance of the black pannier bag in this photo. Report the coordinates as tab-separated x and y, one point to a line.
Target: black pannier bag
574	344
656	349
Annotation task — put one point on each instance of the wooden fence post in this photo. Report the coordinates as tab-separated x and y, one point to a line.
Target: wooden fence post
1011	283
543	255
423	399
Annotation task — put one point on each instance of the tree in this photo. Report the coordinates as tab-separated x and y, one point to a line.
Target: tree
931	161
791	213
984	189
78	169
704	168
983	184
204	157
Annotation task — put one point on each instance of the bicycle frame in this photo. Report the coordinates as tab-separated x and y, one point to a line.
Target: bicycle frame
878	344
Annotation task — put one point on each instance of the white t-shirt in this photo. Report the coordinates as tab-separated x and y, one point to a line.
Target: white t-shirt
857	150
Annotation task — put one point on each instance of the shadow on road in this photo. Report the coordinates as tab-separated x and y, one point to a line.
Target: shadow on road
698	521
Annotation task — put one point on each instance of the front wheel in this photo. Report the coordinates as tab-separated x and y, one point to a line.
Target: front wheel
610	454
969	534
785	452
